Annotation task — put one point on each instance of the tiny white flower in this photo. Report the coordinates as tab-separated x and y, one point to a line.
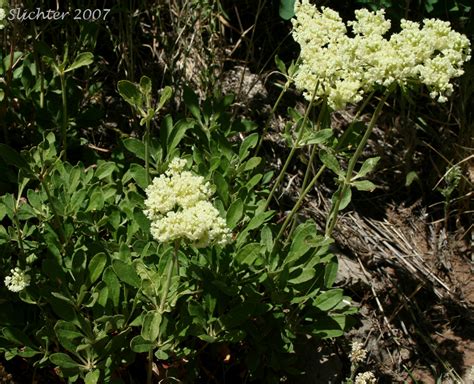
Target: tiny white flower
18	280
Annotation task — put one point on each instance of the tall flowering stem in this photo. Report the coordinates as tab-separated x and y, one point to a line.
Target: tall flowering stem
352	163
292	151
272	113
179	209
349	60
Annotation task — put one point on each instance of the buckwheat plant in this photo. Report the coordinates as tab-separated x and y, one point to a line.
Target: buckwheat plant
345	63
179	209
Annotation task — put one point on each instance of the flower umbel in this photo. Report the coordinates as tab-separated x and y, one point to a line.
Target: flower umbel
3	13
348	67
18	280
365	378
178	207
358	353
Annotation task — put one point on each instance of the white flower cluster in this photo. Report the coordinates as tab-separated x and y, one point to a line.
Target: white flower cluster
358	353
178	207
365	378
342	68
18	280
3	13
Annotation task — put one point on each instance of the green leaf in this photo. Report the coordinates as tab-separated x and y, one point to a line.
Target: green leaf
105	169
364	185
96	202
151	326
367	167
146	85
280	65
301	241
139	344
345	199
287	9
330	272
410	178
85	58
329	299
330	161
249	142
222	187
130	92
96	266
16	336
165	95
67	334
252	163
234	213
192	102
258	220
63	361
113	286
319	137
126	273
248	254
196	311
135	146
138	174
177	133
208	339
63	308
92	377
305	274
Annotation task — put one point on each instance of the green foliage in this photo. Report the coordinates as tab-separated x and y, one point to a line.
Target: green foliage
99	282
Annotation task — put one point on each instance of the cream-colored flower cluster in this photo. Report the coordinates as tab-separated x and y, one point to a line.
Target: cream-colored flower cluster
365	378
178	207
342	68
18	280
358	352
3	13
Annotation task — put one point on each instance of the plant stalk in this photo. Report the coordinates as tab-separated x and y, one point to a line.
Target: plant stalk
272	113
352	163
64	117
292	152
147	150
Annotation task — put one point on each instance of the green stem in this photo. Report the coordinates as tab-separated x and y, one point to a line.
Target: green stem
293	150
352	163
307	189
272	113
147	149
17	221
313	147
297	205
149	371
64	117
164	297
